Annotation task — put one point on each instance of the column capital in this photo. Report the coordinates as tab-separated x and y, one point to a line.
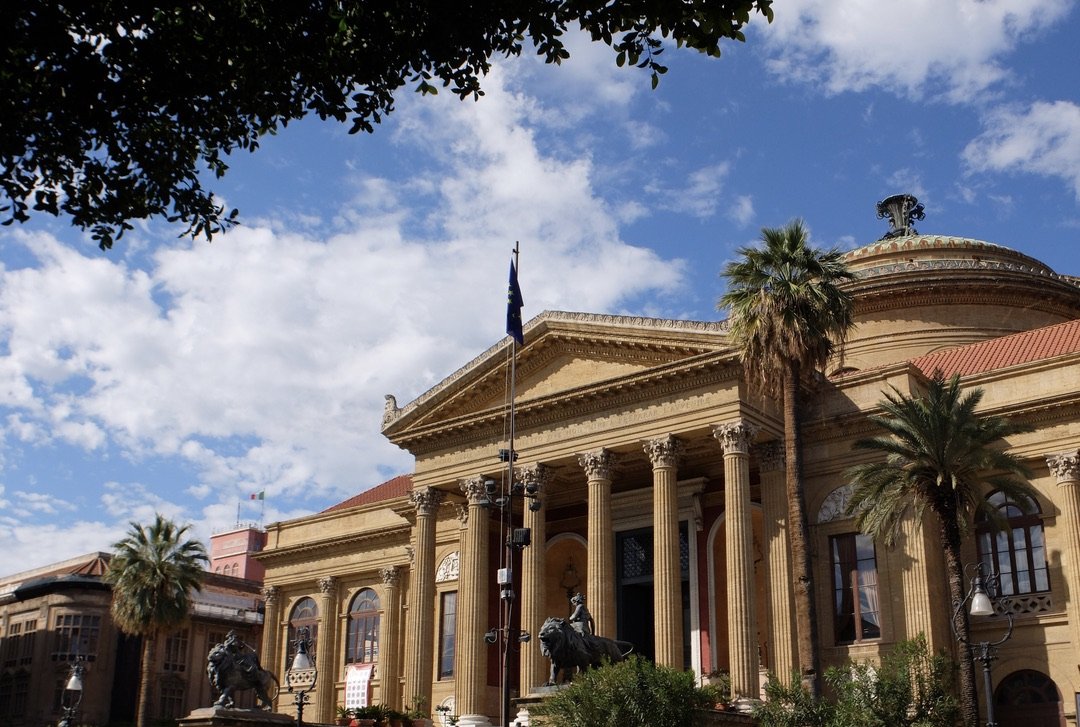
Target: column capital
474	490
1065	466
664	451
270	594
539	474
391	576
599	464
410	553
327	585
462	512
426	500
735	437
770	455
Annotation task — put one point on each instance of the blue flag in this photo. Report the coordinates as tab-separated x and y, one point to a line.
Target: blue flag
513	307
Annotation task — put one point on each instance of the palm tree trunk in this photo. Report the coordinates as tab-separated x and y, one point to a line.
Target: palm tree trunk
805	609
969	698
146	681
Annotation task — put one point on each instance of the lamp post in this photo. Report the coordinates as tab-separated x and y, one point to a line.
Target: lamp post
301	675
73	686
984	587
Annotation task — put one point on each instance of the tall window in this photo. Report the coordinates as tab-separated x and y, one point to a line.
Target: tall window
76	635
856	612
171	704
447	634
176	646
1019	552
362	637
305	615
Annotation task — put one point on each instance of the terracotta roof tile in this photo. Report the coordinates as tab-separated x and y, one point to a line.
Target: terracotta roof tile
1019	348
397	487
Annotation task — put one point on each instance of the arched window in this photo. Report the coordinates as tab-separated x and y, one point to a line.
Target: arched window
362	638
305	615
1030	698
1017	553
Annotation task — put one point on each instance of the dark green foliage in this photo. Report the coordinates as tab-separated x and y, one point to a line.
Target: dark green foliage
632	693
909	688
114	111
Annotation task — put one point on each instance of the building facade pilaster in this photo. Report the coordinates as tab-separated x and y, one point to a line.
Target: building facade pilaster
390	637
780	616
600	565
470	672
420	655
536	479
664	454
271	619
734	439
1066	470
324	655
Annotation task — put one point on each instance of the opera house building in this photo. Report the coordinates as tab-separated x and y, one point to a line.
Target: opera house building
650	478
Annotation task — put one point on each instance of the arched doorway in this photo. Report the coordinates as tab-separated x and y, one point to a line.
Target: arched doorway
1030	698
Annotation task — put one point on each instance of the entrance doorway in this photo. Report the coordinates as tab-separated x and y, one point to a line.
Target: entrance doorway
634	594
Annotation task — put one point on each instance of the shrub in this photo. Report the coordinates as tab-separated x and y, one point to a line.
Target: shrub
632	693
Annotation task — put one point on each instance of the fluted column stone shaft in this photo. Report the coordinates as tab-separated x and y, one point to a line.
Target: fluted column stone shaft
781	613
324	655
271	619
1066	470
470	672
533	607
664	454
735	440
390	637
420	656
600	563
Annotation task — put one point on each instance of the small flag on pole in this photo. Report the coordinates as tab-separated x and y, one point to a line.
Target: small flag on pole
260	495
513	307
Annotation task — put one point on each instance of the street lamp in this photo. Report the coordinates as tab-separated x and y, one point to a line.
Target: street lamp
74	686
984	587
301	675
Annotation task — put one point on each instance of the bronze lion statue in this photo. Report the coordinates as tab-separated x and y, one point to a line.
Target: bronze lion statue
231	669
570	650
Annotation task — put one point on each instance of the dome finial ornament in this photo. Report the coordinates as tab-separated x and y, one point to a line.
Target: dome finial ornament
902	210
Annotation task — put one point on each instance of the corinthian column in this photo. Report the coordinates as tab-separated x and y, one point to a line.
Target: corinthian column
390	637
271	632
735	439
533	608
600	568
1066	469
324	656
780	616
667	576
470	673
421	653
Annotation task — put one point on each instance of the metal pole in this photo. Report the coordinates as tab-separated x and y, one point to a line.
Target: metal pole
986	656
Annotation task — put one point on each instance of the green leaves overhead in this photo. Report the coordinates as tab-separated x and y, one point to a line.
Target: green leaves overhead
117	111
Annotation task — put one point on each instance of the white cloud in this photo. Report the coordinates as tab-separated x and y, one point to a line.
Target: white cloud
1043	138
914	48
699	197
742	210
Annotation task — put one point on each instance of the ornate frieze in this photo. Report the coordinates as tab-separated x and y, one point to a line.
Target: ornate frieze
391	576
426	500
598	465
735	437
1066	466
664	451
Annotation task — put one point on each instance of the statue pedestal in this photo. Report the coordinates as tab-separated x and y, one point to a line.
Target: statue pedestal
522	704
221	717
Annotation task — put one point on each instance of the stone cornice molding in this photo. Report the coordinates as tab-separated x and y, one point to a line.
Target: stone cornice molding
340	543
392	413
426	500
1065	467
664	451
735	437
599	464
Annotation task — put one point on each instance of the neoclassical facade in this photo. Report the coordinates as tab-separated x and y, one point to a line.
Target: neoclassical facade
659	495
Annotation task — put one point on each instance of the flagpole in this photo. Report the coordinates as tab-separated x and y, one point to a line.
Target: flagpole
508	593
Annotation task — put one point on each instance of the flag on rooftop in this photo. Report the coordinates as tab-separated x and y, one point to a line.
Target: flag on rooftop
514	303
260	495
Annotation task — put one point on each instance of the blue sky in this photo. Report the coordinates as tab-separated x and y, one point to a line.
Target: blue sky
178	376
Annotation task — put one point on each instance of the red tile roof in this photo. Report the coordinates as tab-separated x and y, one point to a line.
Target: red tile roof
1019	348
397	487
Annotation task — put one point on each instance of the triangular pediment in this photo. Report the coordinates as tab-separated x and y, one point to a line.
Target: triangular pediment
565	355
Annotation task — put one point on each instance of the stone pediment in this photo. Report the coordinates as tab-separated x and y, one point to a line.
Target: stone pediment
565	355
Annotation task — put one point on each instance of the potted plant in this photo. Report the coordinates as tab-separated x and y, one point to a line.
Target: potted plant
719	682
367	716
417	715
343	715
450	720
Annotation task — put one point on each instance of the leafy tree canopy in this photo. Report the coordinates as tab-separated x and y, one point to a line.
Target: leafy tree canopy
115	110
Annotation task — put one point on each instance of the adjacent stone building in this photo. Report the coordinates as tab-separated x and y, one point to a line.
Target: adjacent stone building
659	495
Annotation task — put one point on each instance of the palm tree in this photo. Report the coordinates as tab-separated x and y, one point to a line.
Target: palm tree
939	455
153	572
787	313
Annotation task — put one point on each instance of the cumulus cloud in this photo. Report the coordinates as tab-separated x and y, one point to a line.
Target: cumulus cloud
915	48
1042	138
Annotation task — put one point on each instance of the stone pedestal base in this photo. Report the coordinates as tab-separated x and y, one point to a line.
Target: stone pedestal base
473	720
220	717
